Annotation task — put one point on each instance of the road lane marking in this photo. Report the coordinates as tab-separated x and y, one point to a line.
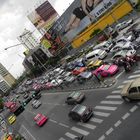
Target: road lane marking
87	125
96	120
101	114
106	108
53	121
83	132
133	108
134	76
109	131
117	123
126	116
128	81
120	86
114	97
119	75
72	136
61	139
112	102
116	91
137	71
102	137
29	134
64	125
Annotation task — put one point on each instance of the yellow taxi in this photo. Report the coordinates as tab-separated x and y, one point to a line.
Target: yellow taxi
95	63
12	119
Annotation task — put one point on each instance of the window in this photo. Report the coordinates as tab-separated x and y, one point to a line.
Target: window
133	90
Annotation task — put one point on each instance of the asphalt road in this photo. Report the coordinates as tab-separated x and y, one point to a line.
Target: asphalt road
113	118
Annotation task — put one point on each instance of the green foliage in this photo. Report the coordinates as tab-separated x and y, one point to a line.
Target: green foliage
1	103
95	32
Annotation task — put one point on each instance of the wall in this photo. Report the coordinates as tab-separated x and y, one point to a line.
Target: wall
116	13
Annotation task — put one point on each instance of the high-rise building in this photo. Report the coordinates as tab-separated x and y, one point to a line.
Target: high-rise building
28	39
6	79
43	16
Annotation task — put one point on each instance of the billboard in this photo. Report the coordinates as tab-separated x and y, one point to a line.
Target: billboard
43	16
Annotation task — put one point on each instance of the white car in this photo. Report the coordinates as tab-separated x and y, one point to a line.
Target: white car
69	78
106	45
56	82
36	104
86	75
98	53
123	25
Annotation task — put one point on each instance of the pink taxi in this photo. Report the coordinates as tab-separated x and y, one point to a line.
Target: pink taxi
106	70
40	119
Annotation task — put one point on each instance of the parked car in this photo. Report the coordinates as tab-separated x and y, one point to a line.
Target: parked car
131	91
123	25
36	94
40	119
81	113
106	70
56	82
69	78
98	53
26	95
78	70
85	75
75	98
26	101
36	104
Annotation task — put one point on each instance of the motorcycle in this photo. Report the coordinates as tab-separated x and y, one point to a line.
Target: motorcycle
127	68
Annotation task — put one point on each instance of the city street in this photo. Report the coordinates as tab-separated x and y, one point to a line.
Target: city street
113	118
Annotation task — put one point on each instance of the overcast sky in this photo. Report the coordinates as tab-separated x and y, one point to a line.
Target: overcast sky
13	20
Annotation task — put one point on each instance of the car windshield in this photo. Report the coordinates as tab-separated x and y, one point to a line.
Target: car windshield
106	67
76	94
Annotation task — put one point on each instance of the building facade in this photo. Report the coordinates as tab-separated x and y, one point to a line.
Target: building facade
28	39
6	79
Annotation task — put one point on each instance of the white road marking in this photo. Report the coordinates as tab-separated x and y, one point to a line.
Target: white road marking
64	125
106	108
120	86
128	81
83	132
101	114
134	76
137	71
126	116
119	75
116	91
109	131
114	97
61	139
117	123
112	102
96	120
87	125
31	136
102	137
53	121
72	136
133	108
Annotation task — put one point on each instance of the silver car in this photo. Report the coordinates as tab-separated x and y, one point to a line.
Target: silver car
36	104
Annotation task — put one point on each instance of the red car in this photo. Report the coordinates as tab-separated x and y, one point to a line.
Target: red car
78	70
106	70
40	119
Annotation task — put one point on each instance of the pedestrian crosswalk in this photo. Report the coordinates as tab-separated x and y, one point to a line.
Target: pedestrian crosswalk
102	111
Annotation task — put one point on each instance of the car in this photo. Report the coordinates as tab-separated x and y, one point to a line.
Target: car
36	104
75	98
79	63
106	70
56	82
131	91
26	101
123	25
69	78
81	113
98	53
123	54
78	70
12	119
48	85
106	45
93	64
40	119
25	96
85	75
36	94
